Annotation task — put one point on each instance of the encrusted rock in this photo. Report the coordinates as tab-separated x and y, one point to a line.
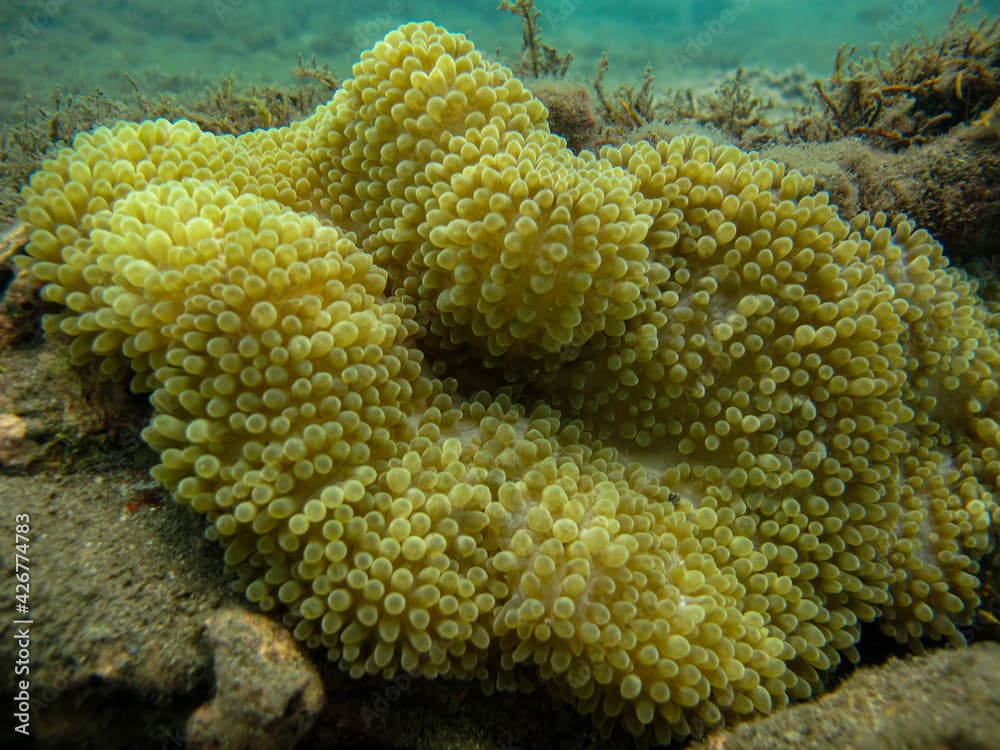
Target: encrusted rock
267	693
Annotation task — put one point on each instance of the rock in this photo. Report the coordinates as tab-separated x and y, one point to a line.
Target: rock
267	693
571	112
21	309
948	699
948	185
12	432
54	414
120	583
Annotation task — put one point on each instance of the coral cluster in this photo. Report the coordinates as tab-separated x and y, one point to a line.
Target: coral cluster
803	408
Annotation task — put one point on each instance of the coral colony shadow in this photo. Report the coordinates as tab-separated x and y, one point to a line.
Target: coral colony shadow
813	399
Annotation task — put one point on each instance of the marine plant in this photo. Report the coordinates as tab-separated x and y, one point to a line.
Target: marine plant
537	58
759	424
919	89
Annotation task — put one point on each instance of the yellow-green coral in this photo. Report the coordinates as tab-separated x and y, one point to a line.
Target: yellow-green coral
527	253
808	403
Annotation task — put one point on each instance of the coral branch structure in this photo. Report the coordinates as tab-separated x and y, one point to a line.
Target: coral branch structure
803	408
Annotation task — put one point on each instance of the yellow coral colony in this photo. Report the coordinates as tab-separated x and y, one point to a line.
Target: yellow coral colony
810	402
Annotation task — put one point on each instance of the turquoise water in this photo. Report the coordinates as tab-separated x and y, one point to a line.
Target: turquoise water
180	47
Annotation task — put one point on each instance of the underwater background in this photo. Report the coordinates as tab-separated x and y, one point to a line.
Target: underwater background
180	47
139	626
